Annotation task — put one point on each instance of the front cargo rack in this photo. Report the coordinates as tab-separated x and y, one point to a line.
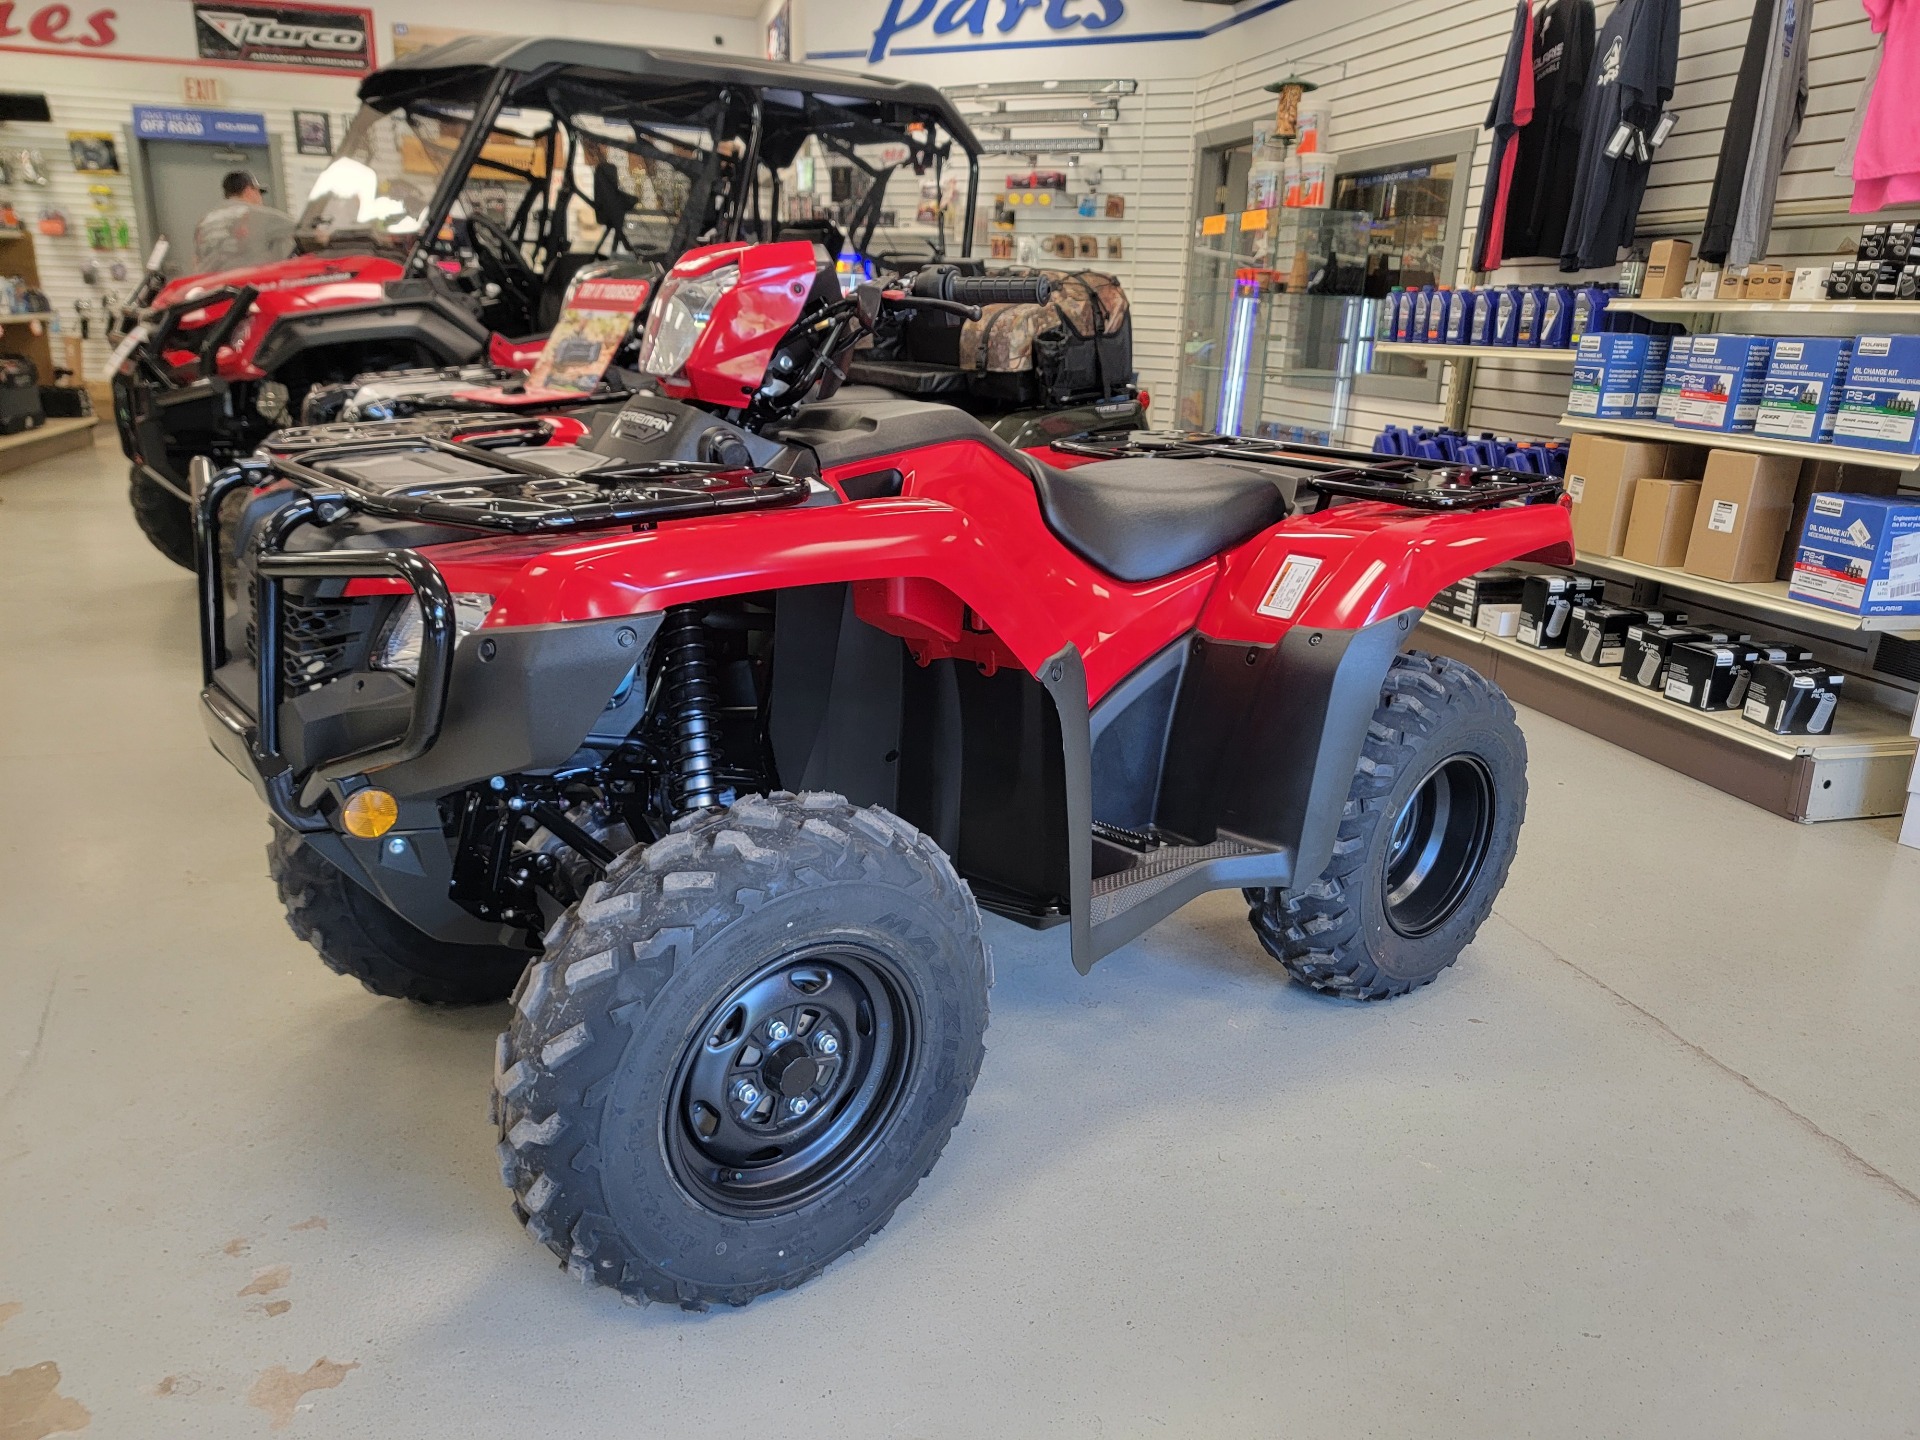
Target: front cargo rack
1335	472
464	482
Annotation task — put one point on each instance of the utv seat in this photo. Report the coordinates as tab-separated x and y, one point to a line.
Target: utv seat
1143	518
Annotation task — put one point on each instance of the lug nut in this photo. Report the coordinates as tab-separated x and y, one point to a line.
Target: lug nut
747	1093
777	1031
797	1105
826	1044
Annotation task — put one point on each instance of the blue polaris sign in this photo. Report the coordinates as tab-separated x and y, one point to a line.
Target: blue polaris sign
204	127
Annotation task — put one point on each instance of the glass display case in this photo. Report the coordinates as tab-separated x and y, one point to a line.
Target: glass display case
1283	304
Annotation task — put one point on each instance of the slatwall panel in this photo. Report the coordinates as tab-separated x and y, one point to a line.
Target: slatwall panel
1149	160
1401	71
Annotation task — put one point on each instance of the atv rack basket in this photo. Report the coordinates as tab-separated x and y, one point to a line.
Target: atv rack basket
1350	474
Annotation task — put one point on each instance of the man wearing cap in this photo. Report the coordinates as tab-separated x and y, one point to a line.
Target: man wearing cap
244	230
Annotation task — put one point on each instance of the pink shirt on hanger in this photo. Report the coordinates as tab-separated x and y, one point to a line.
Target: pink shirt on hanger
1886	168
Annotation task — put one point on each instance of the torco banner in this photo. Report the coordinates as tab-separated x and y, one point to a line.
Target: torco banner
302	37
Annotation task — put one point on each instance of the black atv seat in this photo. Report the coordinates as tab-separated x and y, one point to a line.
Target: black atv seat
907	377
1136	519
1142	518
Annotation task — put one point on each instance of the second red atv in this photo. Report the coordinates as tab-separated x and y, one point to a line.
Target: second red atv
709	739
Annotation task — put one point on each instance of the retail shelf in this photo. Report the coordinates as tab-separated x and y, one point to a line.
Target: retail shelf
1472	352
53	438
24	316
1859	770
1714	440
1765	598
11	234
1891	309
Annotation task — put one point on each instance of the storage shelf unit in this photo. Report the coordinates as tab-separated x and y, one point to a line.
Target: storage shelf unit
1852	309
53	438
1757	444
45	317
1768	598
1859	770
1473	352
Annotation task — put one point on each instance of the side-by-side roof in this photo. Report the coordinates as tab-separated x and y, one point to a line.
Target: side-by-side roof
659	75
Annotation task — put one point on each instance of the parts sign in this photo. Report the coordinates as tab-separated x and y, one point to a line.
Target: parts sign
332	38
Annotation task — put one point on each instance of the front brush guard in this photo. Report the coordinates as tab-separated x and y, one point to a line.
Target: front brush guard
255	738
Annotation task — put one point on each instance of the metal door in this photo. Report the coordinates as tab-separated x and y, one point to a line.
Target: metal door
182	183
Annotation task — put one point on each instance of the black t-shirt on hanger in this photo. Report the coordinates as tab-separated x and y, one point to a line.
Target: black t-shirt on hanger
1635	58
1730	175
1550	147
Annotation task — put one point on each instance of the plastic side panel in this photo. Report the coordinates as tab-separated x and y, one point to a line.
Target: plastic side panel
968	520
1353	565
749	322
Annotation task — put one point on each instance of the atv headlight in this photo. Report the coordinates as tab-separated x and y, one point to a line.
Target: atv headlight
680	313
397	646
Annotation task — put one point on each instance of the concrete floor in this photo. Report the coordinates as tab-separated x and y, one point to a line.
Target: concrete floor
1646	1163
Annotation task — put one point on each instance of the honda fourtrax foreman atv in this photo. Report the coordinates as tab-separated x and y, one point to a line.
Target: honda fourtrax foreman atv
705	739
477	180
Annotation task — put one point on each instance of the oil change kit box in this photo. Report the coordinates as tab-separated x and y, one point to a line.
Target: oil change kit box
1724	378
1618	377
1859	554
1878	403
1802	387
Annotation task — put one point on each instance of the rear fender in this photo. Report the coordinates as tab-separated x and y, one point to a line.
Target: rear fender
1353	565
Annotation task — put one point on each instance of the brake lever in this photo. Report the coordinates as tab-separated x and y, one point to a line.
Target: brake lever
927	302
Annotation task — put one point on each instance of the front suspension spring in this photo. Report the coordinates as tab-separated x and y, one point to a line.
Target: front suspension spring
689	712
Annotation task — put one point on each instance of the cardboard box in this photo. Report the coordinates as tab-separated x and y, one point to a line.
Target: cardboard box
1724	377
1494	587
1618	377
1793	697
1803	383
1745	506
1648	646
1597	634
1704	676
1600	478
1662	521
1667	265
1809	283
1878	403
1548	602
1502	621
1860	554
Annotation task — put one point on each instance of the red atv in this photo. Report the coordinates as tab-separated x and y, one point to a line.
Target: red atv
730	717
477	180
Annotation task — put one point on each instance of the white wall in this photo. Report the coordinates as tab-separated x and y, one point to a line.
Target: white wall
1389	70
97	89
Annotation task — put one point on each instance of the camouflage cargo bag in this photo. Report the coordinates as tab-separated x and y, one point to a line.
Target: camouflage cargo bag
1078	346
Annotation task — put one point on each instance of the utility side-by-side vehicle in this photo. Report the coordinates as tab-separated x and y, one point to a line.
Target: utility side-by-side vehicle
704	738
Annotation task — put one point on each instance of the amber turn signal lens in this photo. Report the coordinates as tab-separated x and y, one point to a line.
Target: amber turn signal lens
369	814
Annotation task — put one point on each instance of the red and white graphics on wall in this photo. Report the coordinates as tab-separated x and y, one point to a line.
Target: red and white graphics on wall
336	39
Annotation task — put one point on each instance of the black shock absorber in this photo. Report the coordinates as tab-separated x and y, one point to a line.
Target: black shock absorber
689	712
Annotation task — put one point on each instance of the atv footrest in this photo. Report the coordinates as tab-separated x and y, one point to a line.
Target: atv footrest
1128	901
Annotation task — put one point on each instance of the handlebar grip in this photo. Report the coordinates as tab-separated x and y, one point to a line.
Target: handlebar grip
999	289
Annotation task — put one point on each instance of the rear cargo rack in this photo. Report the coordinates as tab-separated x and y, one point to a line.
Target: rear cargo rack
1332	471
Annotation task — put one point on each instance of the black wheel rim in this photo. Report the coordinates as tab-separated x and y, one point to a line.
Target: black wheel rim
791	1080
1439	847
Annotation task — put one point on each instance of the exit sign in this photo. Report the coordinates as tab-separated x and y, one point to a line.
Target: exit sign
201	90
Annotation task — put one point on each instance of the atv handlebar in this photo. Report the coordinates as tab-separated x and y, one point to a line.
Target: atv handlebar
997	289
